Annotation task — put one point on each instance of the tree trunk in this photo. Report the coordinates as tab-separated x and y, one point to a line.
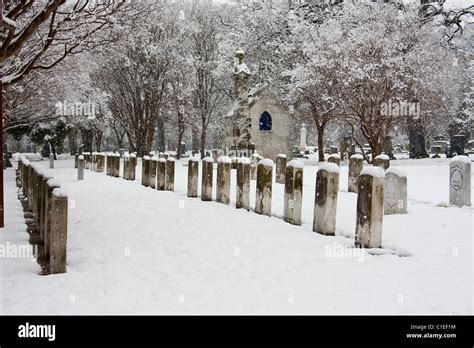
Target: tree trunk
87	137
161	136
181	130
195	140
98	140
72	139
320	129
417	139
203	140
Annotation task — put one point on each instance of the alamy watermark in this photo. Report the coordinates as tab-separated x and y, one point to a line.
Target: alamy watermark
400	108
25	251
340	251
76	109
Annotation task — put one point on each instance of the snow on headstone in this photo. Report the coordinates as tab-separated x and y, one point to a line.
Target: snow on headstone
280	169
356	163
370	208
460	181
293	192
395	201
335	158
382	161
325	203
263	201
243	184
223	180
235	162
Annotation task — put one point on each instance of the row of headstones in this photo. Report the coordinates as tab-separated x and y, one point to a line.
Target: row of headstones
396	182
158	173
370	204
45	208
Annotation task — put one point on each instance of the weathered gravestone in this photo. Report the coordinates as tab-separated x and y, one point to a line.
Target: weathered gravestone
223	179
293	192
370	208
243	184
152	171
193	176
146	171
382	161
280	168
395	201
460	181
356	163
80	167
51	161
335	158
254	159
170	169
263	201
161	176
207	174
235	162
126	167
325	203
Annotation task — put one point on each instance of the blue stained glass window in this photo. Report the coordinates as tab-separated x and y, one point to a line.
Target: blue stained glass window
265	121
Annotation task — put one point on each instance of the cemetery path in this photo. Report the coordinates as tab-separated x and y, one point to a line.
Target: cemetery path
133	249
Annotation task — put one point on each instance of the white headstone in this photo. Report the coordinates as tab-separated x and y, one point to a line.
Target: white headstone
395	201
460	181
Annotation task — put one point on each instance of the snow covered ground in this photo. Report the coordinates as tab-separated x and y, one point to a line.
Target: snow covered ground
135	250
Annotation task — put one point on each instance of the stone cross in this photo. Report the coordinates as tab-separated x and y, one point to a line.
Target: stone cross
370	208
325	203
460	181
293	192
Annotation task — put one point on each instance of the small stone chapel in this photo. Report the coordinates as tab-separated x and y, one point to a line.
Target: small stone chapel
257	120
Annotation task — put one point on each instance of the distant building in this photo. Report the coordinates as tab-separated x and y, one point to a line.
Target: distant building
257	120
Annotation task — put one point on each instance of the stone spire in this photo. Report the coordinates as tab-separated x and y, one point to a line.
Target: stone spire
242	120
